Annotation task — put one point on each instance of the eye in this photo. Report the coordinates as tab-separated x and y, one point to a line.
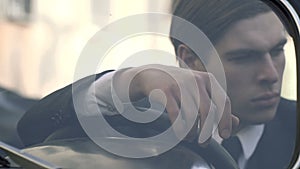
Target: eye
239	58
277	51
244	57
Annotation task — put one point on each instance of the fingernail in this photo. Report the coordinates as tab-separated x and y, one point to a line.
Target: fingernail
225	133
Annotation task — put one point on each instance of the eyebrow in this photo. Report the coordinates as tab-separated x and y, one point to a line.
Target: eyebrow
280	43
253	52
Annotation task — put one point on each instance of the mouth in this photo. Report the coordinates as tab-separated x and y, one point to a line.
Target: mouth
266	100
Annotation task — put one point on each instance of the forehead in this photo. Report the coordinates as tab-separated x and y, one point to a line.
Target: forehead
261	32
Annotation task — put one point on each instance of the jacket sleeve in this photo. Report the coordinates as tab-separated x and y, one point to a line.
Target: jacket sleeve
53	112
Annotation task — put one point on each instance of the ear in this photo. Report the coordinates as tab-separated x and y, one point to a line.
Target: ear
188	59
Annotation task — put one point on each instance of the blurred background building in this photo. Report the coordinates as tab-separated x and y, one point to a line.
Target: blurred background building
41	41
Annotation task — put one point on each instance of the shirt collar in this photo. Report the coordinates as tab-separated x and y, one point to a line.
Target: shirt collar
249	137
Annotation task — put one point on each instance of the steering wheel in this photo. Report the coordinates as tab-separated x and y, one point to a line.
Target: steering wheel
213	153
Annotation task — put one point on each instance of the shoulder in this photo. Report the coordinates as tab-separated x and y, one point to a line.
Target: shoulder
287	105
287	109
286	116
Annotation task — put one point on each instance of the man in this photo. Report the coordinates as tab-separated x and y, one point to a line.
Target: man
249	39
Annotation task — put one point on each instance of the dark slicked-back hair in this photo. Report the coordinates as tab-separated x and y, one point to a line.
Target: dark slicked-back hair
215	17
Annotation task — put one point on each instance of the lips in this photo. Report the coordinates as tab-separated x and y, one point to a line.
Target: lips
266	99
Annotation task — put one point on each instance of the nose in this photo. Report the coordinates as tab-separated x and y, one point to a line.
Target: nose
267	73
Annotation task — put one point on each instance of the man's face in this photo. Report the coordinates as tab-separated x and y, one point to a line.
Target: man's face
253	59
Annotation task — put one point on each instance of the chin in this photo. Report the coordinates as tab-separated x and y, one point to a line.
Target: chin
259	117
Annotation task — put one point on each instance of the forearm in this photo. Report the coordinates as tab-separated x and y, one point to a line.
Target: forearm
112	91
99	95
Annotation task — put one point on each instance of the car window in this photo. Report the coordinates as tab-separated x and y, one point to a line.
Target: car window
47	45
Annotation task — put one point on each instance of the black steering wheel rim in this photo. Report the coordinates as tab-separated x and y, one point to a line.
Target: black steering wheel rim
213	152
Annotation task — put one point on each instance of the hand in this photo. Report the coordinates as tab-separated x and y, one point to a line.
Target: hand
186	91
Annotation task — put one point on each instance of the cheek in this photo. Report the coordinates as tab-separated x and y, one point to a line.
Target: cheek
280	67
238	79
240	86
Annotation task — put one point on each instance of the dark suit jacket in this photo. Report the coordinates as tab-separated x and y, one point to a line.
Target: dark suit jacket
52	113
56	111
12	108
276	147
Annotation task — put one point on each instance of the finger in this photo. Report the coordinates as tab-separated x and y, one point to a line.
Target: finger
235	123
201	98
190	104
209	125
190	115
172	109
204	107
223	108
226	122
175	116
206	119
205	143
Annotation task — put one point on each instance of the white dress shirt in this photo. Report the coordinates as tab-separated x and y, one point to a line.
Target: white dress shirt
249	138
